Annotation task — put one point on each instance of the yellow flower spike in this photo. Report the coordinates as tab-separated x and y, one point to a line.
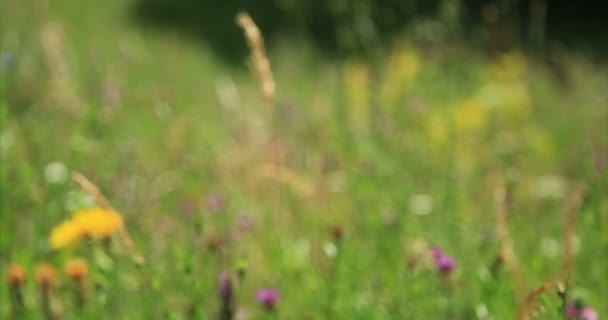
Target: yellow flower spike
437	129
509	67
469	115
401	69
357	78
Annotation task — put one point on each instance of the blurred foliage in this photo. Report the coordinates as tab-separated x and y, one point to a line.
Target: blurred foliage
364	27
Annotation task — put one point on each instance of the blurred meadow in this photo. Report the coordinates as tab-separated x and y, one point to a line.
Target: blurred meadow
426	169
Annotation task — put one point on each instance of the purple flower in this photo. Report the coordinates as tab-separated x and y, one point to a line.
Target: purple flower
268	297
588	314
443	262
576	311
245	221
226	295
215	202
225	284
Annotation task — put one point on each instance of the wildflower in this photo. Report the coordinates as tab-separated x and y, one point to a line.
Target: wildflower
65	234
77	270
98	222
421	204
15	278
45	278
268	297
357	79
55	173
578	311
245	221
444	263
94	222
402	68
588	314
226	295
216	202
469	115
45	275
330	249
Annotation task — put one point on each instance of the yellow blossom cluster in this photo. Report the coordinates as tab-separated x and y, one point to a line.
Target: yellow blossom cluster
93	222
357	81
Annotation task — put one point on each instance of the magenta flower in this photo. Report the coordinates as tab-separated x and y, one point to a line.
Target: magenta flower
444	263
215	202
268	297
588	314
225	284
245	221
576	311
226	296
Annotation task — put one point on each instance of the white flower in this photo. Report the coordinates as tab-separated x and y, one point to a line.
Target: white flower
421	204
330	249
55	172
481	311
550	247
550	187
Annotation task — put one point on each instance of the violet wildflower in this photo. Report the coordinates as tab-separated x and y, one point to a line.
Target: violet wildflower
227	297
245	221
215	202
444	263
587	313
268	297
578	311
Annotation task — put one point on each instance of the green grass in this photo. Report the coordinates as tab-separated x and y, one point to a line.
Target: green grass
160	123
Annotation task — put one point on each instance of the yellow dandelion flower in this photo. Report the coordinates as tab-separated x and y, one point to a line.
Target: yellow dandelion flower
65	234
95	222
98	222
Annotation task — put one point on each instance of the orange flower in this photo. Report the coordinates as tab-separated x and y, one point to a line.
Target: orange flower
77	269
45	275
15	276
